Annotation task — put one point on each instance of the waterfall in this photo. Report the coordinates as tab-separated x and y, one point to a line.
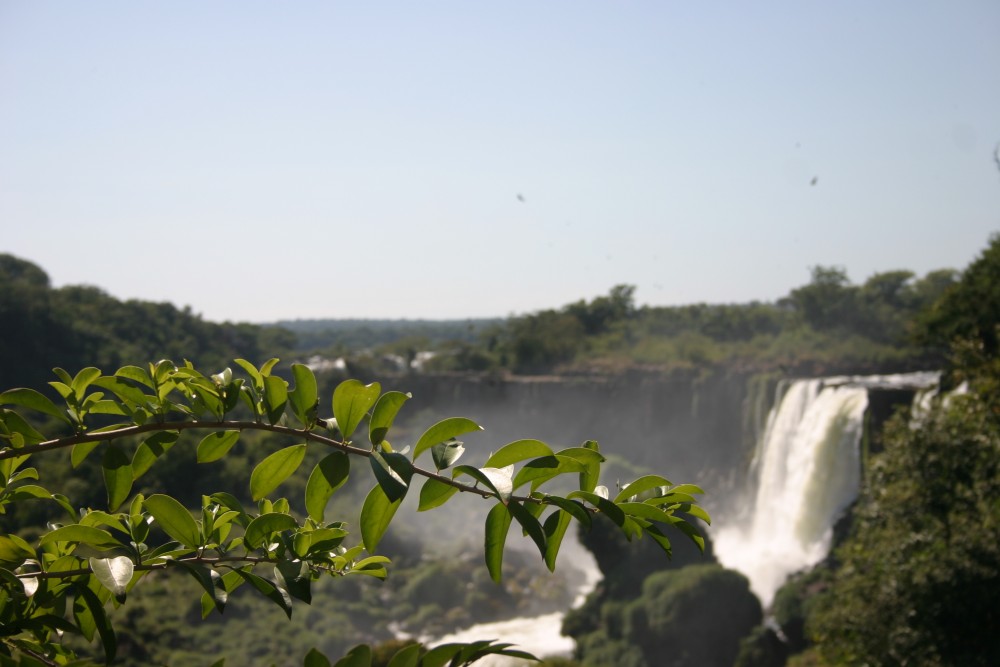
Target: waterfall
805	473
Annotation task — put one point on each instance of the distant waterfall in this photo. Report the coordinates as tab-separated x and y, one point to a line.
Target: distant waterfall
807	471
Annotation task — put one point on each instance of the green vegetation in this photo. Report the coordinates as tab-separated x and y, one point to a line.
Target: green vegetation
916	579
63	577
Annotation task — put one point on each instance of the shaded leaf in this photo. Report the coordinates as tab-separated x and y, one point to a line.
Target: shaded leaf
276	595
275	397
100	620
359	656
393	472
265	525
641	485
151	449
316	659
305	396
117	476
555	528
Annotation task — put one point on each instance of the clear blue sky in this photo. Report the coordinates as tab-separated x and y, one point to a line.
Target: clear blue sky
266	160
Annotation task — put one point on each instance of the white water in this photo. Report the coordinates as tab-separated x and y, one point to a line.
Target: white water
538	635
807	471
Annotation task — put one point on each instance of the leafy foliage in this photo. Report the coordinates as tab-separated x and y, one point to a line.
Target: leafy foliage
67	576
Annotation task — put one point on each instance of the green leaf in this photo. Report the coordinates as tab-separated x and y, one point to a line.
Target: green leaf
117	476
359	656
278	596
555	528
530	525
445	429
575	508
104	629
151	449
83	379
275	469
351	402
316	659
641	485
540	470
435	493
80	451
211	582
266	525
123	390
135	374
296	578
29	398
14	551
305	395
215	445
591	458
495	479
384	414
255	376
174	519
393	472
95	537
518	451
275	397
446	453
114	574
328	476
497	525
408	656
376	514
611	510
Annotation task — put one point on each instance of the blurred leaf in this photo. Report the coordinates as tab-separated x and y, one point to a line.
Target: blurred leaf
316	659
408	656
275	469
351	402
359	656
328	476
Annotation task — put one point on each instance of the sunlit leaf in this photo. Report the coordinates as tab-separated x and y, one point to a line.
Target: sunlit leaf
114	574
444	430
305	395
29	398
376	515
435	493
215	445
384	414
174	519
265	525
328	476
275	469
497	525
117	476
351	402
95	537
446	453
641	485
275	397
517	451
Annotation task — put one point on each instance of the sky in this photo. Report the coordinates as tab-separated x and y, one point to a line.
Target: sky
259	160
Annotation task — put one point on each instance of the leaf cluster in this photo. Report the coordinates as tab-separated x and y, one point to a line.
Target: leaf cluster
91	559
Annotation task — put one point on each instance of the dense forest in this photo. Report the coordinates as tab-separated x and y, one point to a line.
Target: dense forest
916	571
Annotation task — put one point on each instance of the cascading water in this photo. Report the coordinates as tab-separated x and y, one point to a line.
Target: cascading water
807	471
